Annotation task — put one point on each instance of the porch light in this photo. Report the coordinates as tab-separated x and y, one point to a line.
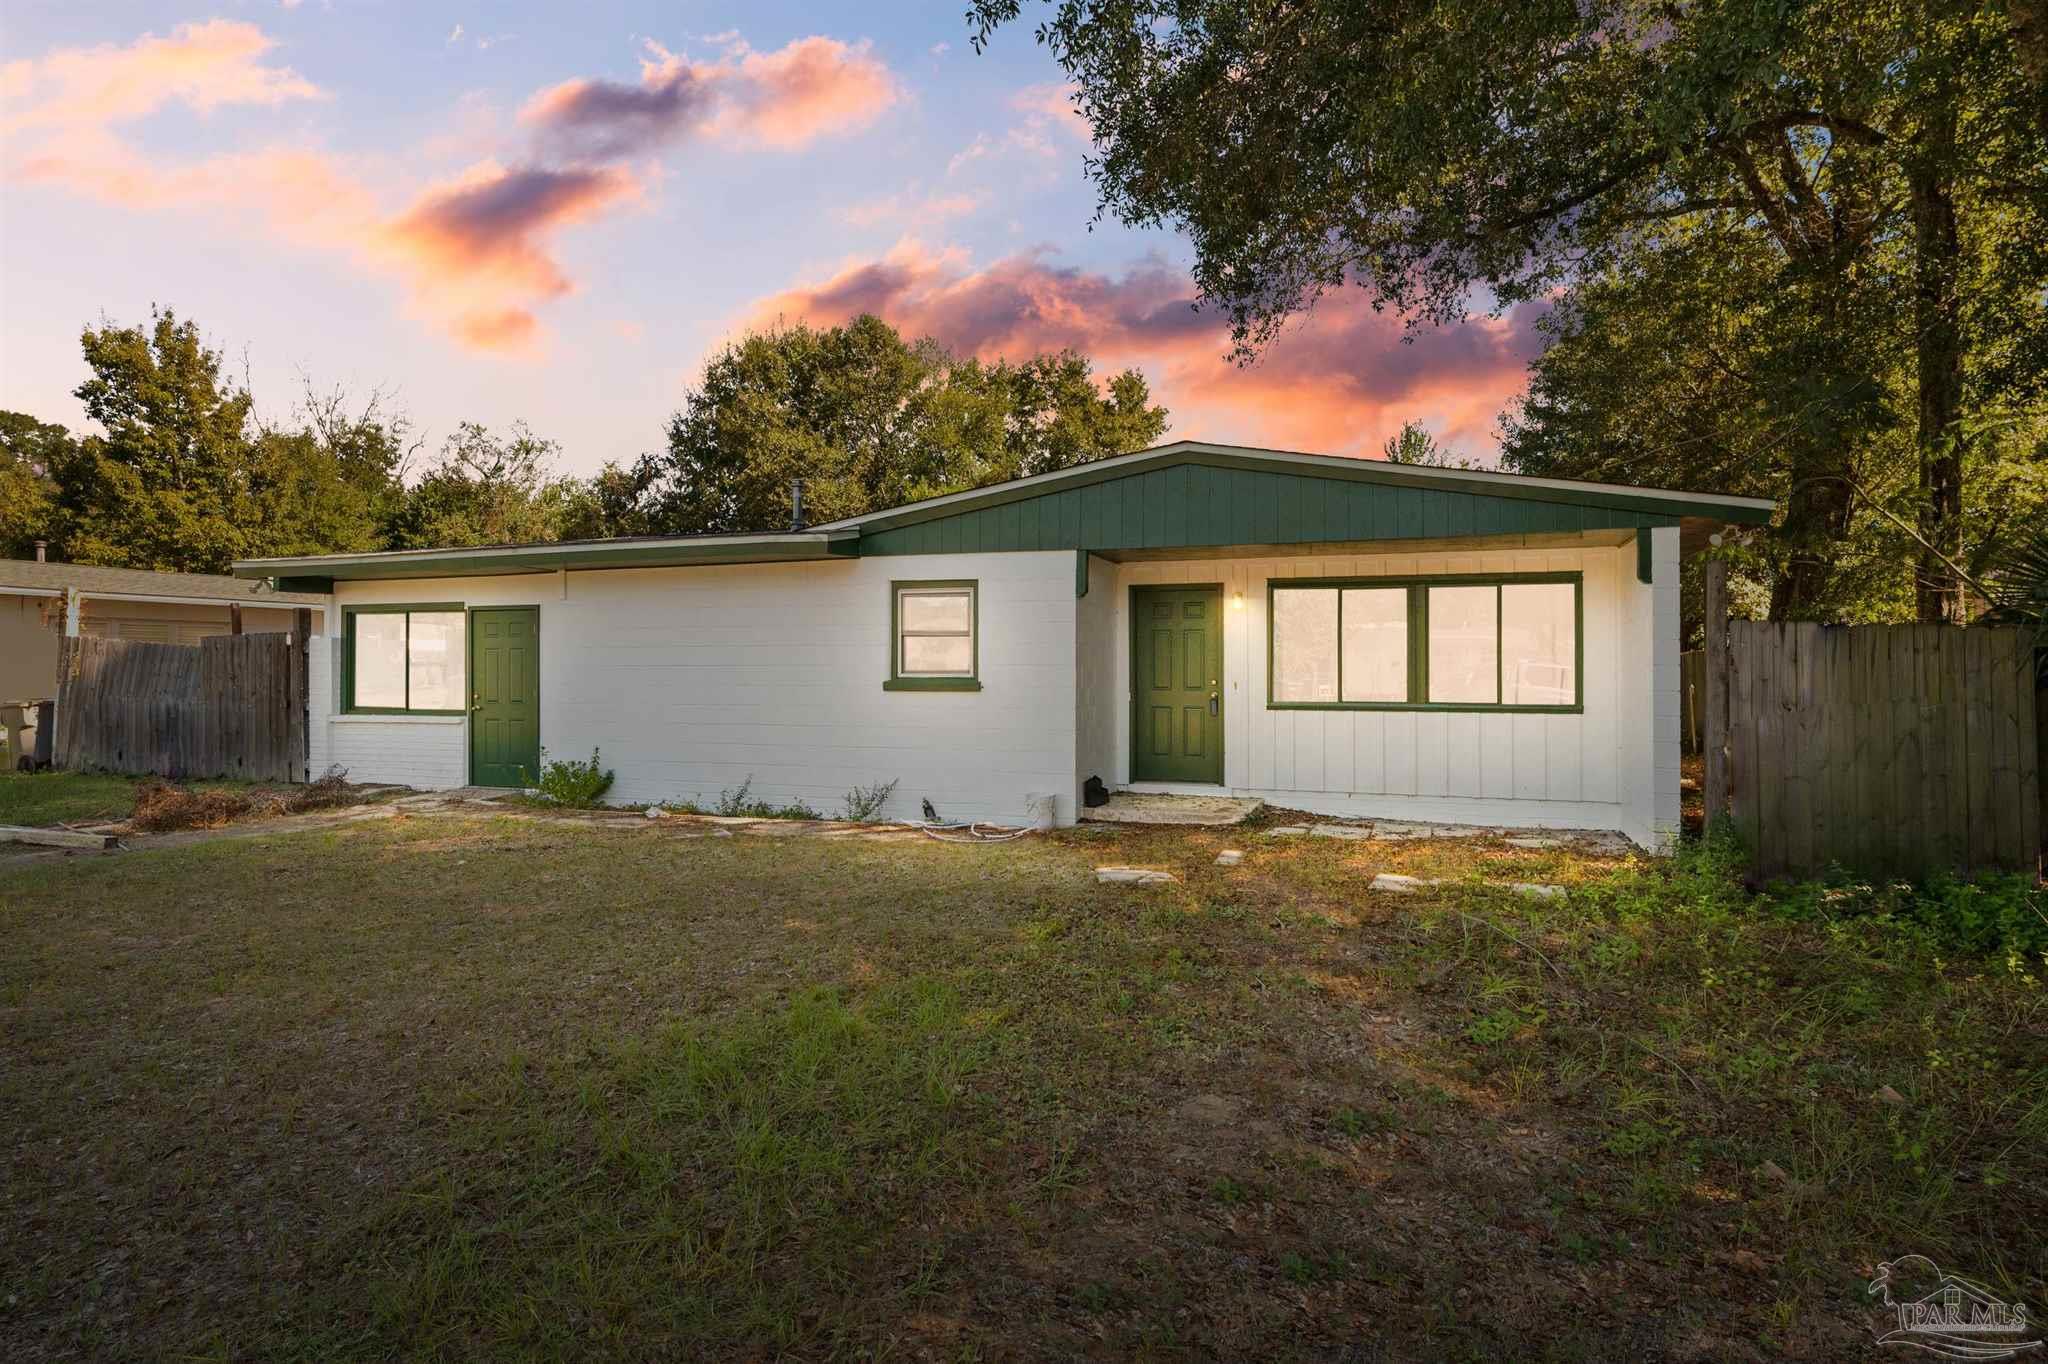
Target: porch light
1237	601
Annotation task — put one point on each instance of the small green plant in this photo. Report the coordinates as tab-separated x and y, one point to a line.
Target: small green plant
566	782
1228	1191
740	802
863	803
1492	1029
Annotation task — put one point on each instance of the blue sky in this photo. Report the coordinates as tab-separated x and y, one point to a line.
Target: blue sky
553	214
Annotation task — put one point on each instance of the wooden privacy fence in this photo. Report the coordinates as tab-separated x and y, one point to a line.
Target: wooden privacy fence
1889	750
231	706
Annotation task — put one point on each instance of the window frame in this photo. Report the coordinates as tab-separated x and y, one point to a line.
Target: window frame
898	680
1417	586
348	653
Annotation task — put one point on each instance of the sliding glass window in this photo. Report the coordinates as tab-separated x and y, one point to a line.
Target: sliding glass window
407	659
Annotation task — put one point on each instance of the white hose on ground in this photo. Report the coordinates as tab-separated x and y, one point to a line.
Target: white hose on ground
974	833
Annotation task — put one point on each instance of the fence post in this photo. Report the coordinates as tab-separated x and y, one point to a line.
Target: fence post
1715	726
298	694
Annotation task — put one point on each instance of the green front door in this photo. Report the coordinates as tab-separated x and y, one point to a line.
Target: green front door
1177	684
504	701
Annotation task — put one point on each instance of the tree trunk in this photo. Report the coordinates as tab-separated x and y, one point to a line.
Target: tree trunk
1938	341
1816	523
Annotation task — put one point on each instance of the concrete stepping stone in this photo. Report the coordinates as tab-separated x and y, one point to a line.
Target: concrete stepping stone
1229	857
1352	831
1530	890
1287	831
1134	876
1393	883
1535	842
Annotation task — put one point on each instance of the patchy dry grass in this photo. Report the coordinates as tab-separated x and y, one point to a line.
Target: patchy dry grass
451	1088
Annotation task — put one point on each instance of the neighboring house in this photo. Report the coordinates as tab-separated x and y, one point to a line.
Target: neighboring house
41	601
1337	635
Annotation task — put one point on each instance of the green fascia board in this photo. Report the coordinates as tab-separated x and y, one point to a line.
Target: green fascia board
1206	502
579	555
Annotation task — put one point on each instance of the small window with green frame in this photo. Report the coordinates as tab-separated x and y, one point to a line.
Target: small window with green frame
934	636
1510	642
406	660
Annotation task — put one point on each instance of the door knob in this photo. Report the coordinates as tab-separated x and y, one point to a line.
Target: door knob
1212	703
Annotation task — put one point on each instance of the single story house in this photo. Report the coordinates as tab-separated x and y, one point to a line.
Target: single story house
1338	635
41	601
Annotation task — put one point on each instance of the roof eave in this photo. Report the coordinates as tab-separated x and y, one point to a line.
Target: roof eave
779	547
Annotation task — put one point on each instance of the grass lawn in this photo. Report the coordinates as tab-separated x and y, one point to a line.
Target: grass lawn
73	797
60	797
448	1088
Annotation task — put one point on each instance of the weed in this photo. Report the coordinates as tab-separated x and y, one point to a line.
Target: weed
574	785
740	802
1228	1191
863	803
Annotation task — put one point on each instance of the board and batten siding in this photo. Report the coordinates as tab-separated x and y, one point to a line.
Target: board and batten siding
690	681
1613	767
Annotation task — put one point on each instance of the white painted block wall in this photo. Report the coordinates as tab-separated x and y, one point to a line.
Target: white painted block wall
690	681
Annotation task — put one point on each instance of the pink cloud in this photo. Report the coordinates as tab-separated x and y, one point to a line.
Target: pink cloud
911	209
1053	105
787	98
203	66
476	252
476	249
1340	381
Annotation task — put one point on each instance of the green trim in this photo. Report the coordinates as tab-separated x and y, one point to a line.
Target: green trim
932	684
348	653
922	682
321	585
1418	641
1080	574
1644	563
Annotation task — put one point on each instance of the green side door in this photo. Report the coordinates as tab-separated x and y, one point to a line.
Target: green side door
1177	684
504	702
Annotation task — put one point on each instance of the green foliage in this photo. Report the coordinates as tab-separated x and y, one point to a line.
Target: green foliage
1997	915
1414	443
740	802
485	490
1821	230
863	803
577	785
28	448
869	420
182	478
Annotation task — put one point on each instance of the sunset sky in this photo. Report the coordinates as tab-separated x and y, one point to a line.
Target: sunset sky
556	213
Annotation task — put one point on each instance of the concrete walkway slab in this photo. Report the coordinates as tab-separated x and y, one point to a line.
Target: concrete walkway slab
1134	807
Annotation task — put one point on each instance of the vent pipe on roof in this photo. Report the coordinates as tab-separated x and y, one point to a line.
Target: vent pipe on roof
42	551
796	504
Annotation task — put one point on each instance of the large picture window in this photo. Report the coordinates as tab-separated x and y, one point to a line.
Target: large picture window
407	659
932	637
1463	643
